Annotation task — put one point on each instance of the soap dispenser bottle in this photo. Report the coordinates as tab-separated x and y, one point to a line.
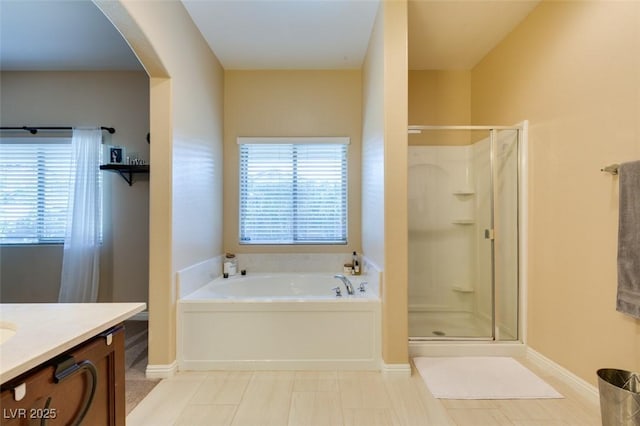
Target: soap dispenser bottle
356	264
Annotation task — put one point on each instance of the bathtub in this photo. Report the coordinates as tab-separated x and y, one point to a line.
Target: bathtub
279	321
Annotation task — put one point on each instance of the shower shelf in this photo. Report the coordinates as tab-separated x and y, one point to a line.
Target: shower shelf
462	288
463	221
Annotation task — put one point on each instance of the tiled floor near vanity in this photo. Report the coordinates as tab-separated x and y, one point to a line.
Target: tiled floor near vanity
342	398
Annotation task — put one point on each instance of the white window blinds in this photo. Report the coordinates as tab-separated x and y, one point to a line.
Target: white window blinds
34	187
293	193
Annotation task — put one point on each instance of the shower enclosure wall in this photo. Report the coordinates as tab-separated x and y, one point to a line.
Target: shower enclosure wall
463	232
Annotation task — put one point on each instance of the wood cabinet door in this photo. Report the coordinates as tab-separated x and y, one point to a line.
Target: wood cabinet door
84	386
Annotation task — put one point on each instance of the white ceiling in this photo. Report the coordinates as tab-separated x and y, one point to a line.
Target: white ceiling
276	34
59	35
259	34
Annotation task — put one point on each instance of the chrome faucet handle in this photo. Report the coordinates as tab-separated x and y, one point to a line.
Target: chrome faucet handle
338	291
362	286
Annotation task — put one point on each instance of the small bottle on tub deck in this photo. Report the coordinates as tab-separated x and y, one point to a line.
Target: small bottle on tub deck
356	264
230	265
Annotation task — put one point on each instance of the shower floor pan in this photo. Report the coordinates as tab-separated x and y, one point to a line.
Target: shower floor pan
451	325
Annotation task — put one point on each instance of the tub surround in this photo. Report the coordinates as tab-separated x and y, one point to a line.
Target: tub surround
289	321
45	330
293	262
264	286
272	328
195	276
279	336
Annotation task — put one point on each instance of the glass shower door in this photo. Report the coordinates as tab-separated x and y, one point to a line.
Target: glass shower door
506	249
463	234
482	313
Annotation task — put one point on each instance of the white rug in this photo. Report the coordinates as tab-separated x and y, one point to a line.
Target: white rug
481	378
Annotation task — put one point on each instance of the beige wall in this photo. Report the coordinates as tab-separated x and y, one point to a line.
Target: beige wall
384	170
440	97
395	280
372	192
573	70
291	103
186	101
116	99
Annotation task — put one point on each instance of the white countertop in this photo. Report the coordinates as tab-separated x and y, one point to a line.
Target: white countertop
45	330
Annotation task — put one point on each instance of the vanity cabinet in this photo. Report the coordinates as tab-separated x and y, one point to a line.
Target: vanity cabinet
82	386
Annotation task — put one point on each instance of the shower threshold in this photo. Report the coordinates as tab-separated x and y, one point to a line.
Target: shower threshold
440	338
465	347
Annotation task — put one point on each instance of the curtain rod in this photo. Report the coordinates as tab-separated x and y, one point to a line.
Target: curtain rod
34	129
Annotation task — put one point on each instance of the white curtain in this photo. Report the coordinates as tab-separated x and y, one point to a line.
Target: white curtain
81	260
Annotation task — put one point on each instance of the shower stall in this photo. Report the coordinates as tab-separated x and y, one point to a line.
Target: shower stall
463	214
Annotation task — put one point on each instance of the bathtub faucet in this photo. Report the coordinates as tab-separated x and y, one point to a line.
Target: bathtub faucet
346	282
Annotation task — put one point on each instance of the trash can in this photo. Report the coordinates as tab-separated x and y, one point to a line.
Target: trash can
619	397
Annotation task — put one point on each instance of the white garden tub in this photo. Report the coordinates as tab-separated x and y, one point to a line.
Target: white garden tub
279	321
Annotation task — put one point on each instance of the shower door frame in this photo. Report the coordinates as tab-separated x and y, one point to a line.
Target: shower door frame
521	214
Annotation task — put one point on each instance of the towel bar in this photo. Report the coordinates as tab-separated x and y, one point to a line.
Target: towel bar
612	168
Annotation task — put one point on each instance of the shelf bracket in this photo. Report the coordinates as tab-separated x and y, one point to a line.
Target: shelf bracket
128	179
126	172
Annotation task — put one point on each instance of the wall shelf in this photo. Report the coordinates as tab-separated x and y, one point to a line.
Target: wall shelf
126	171
464	192
463	221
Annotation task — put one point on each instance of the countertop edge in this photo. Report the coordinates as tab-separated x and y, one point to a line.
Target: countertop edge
15	371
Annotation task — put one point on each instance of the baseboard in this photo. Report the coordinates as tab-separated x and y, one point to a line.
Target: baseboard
161	371
584	388
396	370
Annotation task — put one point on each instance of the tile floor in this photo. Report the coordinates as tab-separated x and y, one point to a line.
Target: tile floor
333	398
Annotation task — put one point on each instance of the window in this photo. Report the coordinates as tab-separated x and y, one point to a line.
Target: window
293	190
34	186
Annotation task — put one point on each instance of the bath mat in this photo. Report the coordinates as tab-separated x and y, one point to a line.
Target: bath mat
481	378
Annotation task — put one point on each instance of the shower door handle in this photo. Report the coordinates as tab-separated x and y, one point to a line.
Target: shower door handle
489	234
